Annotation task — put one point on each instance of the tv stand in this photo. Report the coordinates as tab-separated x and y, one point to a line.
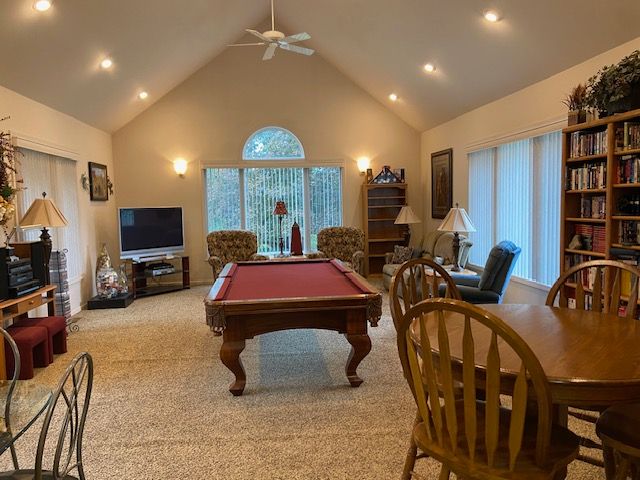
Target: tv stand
145	279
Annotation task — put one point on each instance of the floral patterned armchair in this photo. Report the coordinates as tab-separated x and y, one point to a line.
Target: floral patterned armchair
231	246
343	243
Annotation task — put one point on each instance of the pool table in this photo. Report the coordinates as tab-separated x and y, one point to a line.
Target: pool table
252	298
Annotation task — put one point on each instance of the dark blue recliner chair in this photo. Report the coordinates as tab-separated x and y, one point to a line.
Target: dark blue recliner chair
491	285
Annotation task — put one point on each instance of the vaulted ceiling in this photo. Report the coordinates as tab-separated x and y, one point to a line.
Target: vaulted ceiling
53	57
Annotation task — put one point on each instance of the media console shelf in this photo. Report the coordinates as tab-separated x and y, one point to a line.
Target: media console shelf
148	277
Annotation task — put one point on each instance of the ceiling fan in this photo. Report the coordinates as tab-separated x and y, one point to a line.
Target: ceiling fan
275	39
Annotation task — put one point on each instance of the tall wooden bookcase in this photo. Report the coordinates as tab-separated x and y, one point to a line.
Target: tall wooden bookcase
382	203
601	189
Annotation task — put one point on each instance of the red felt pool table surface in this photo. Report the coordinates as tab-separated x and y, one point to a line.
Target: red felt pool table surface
265	280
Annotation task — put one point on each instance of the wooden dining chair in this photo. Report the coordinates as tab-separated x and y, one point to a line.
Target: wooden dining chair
409	286
597	286
600	288
474	438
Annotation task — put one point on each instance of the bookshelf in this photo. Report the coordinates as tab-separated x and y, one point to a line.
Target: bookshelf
381	205
601	190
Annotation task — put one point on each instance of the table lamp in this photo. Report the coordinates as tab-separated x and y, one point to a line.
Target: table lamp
44	213
456	221
280	211
407	217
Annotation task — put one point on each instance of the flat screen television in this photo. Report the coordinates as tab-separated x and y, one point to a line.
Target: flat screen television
146	232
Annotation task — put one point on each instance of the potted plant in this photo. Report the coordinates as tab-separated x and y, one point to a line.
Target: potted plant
9	184
576	102
616	88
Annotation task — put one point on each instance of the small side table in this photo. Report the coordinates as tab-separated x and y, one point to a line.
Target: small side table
429	273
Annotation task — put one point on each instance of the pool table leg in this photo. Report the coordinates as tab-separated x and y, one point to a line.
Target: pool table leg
360	347
230	356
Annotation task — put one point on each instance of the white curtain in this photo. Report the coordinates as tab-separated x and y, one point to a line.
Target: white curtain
514	194
56	176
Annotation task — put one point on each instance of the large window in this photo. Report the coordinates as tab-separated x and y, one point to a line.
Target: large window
514	194
56	176
245	198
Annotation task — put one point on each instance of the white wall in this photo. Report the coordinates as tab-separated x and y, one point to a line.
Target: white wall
208	117
39	127
527	110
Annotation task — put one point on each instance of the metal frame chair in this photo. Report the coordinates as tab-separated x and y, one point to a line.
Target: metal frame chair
73	394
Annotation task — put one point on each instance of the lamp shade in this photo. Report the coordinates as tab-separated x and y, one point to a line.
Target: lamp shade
457	220
406	216
281	208
44	213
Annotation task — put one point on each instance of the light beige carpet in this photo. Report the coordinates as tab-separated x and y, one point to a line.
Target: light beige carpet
161	408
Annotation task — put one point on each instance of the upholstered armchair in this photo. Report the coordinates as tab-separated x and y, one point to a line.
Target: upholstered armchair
231	246
491	285
343	243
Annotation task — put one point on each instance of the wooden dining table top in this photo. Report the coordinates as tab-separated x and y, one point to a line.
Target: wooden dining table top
590	359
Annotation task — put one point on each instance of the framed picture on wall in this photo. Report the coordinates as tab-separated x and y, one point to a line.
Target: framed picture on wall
98	185
441	183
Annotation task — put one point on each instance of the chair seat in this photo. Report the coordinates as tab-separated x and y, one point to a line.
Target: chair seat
621	423
563	450
29	475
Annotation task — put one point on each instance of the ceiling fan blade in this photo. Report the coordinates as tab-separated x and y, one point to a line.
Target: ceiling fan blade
270	51
258	34
246	44
296	49
298	37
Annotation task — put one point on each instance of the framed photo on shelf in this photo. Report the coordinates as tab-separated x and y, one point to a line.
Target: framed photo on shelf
98	185
441	183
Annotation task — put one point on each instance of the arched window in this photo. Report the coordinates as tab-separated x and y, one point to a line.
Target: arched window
273	143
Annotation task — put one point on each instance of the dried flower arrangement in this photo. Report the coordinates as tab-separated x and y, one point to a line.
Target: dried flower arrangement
9	182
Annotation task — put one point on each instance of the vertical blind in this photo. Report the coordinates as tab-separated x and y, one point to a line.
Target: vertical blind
245	198
514	194
56	176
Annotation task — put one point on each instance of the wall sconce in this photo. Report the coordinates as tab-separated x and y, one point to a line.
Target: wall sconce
180	166
363	164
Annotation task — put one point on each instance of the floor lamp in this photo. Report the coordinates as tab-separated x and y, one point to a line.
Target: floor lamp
456	221
44	213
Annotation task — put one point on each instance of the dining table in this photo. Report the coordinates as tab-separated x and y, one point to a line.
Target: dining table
591	359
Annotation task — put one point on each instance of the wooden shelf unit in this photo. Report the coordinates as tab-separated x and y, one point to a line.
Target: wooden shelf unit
615	189
381	205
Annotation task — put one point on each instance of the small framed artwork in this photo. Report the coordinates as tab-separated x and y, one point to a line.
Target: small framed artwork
98	188
441	183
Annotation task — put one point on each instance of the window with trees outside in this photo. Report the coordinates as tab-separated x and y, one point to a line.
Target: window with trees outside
514	194
244	198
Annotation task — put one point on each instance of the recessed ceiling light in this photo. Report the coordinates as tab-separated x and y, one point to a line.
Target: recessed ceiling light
42	5
143	95
393	97
106	63
491	16
430	67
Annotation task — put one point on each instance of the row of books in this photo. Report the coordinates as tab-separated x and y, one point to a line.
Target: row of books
628	136
593	207
592	175
629	233
588	143
593	237
629	169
